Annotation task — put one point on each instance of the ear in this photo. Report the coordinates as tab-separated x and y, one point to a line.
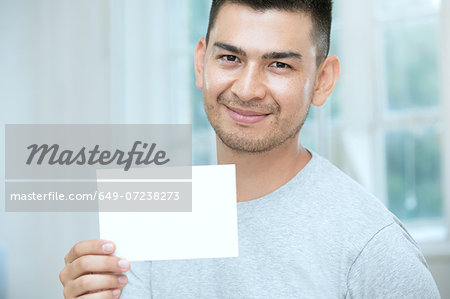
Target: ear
327	77
199	61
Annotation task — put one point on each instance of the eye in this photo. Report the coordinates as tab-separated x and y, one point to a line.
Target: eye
229	58
280	65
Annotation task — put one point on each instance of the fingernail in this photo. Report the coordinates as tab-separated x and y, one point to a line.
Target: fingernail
124	264
116	293
122	279
108	247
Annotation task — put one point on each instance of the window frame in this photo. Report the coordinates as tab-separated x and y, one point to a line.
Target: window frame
435	239
374	121
426	232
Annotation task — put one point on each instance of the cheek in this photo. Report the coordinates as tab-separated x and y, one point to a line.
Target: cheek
308	89
291	95
215	81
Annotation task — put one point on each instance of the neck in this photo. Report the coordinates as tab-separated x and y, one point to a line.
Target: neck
258	174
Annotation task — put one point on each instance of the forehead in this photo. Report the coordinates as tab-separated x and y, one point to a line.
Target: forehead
261	31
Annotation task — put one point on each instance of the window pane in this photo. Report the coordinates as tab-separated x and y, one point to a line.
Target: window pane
308	134
412	73
199	18
400	6
199	24
202	133
414	174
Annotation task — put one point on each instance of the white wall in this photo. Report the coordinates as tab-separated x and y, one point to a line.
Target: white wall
54	58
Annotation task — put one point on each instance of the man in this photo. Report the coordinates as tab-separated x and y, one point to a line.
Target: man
306	230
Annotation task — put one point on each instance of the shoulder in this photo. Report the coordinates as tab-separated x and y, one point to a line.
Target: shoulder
348	212
343	200
390	265
383	260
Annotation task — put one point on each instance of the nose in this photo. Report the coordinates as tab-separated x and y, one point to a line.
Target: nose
249	84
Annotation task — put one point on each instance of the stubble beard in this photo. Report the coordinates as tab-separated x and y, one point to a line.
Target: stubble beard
281	131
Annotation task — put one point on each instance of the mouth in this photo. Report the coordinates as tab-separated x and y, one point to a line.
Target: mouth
246	116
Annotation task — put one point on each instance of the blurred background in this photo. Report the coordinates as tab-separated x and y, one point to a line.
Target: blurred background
387	124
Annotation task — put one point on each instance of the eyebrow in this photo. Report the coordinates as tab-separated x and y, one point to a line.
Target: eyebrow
271	55
230	48
279	55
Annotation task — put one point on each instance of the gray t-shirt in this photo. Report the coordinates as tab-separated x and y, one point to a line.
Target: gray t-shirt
321	235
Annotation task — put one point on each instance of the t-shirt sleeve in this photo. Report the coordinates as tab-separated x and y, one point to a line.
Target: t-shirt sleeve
391	266
139	281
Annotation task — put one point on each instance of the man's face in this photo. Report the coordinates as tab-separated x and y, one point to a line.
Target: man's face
258	76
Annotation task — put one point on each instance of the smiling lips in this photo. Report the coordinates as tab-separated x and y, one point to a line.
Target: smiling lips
246	116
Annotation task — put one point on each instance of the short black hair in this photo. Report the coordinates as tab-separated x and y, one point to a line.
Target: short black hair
319	10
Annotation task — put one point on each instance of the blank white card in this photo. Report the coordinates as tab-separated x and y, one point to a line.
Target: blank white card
209	231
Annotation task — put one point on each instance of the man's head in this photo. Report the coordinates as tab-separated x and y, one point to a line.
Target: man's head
318	10
259	74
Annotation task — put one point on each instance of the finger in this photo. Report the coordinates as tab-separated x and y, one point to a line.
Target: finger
96	264
108	294
63	276
89	247
95	283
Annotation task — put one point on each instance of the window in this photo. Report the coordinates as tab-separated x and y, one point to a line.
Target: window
384	123
409	46
204	142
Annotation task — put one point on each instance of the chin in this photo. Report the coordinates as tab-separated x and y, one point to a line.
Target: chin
246	142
